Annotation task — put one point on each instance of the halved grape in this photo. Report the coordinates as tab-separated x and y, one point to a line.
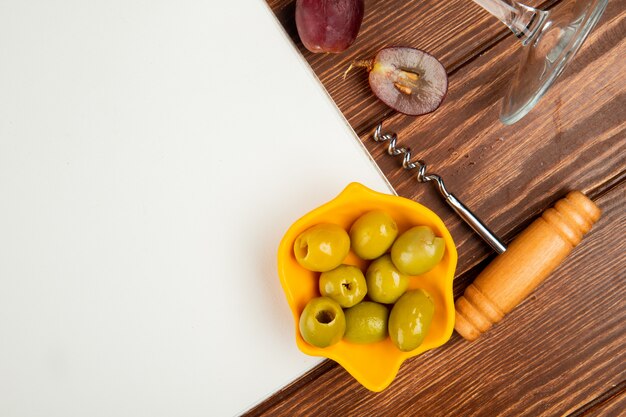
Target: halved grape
408	80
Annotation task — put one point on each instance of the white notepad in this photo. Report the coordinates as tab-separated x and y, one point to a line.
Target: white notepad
152	154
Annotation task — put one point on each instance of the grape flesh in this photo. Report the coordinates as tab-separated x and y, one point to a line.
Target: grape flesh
408	80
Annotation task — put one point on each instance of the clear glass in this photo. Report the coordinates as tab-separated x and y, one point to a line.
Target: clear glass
549	38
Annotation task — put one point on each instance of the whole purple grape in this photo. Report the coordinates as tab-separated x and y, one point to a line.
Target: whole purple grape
328	25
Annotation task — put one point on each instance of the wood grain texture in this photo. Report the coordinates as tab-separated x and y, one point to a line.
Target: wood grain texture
453	30
610	403
553	354
613	408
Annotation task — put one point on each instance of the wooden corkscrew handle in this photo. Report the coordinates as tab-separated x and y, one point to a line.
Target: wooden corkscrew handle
529	259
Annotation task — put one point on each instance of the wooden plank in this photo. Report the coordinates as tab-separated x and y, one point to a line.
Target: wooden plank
453	30
560	349
573	139
614	408
610	403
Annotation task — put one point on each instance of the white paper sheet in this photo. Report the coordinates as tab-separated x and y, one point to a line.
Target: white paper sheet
152	153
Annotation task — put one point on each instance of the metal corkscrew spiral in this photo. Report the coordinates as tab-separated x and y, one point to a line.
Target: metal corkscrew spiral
423	176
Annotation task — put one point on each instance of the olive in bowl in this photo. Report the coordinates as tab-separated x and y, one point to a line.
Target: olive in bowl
322	322
384	282
344	284
410	319
417	250
372	234
366	322
322	247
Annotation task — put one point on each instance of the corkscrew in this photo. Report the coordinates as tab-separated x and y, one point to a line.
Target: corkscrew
423	176
521	267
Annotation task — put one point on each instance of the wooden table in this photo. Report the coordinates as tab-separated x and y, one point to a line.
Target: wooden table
563	351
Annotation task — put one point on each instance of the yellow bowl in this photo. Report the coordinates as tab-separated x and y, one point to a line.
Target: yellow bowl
373	365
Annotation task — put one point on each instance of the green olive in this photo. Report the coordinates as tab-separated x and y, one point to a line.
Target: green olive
410	319
366	322
322	247
344	284
385	284
417	250
322	322
372	234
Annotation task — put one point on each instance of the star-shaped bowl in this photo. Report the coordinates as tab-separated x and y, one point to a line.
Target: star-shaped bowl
373	365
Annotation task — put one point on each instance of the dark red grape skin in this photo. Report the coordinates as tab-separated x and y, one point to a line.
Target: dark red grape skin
328	25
